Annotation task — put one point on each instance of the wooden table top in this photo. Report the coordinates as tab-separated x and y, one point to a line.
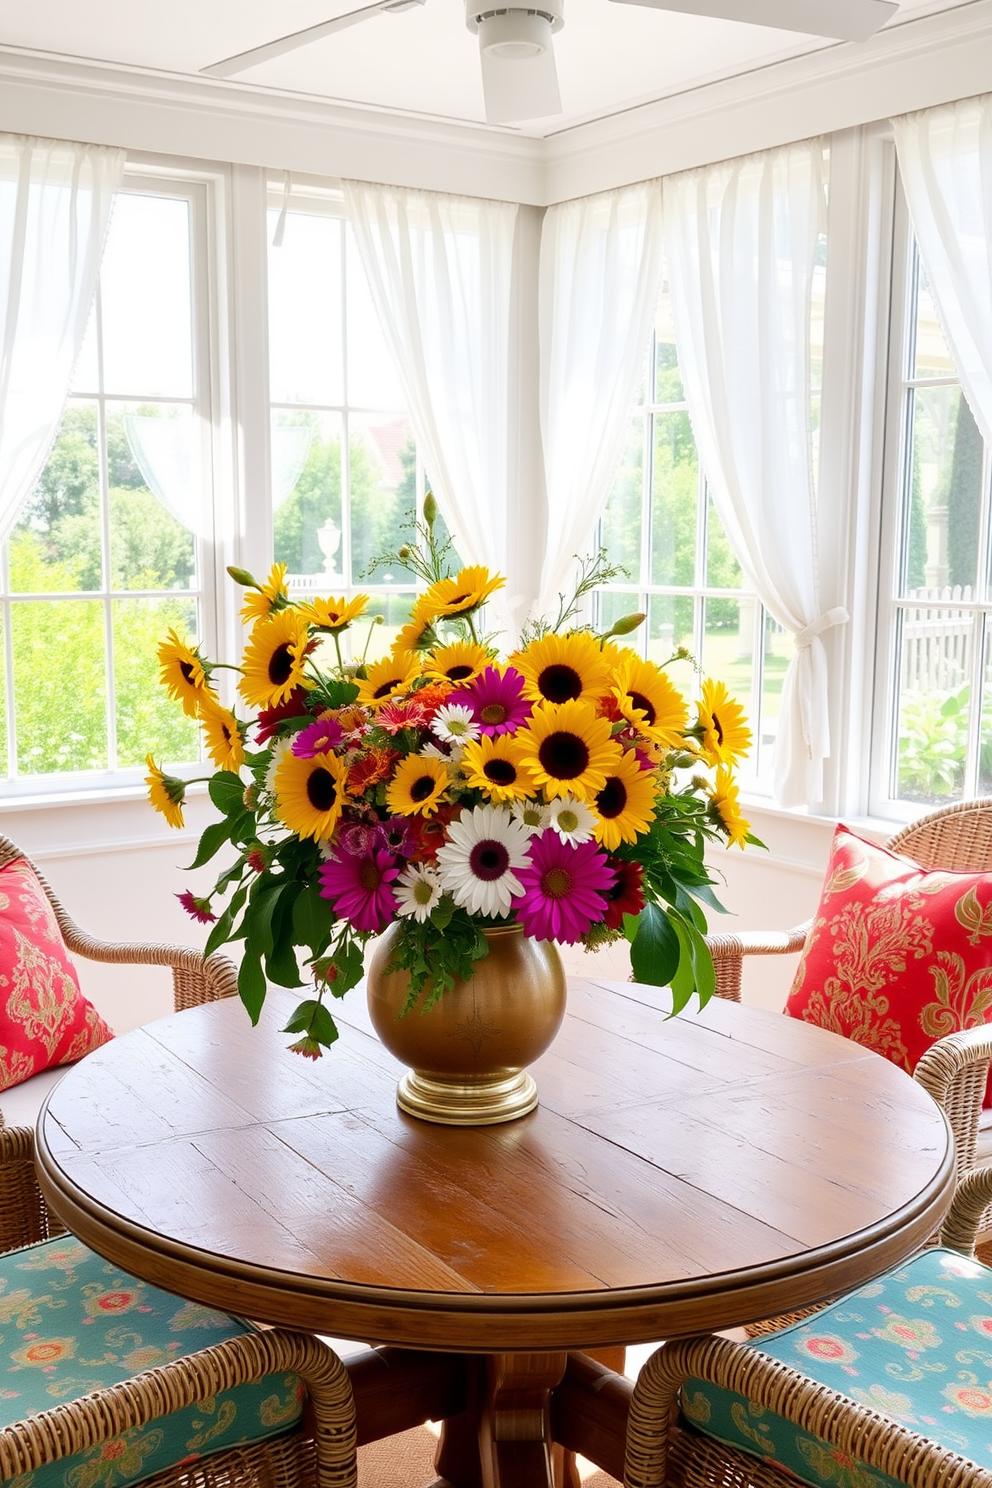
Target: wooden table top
679	1175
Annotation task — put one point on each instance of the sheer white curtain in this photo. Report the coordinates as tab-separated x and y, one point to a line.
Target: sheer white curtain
945	160
741	239
439	270
55	200
601	264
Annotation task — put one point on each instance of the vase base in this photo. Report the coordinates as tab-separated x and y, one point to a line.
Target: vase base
462	1102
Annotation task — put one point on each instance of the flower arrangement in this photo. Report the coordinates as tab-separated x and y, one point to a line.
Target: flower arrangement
564	788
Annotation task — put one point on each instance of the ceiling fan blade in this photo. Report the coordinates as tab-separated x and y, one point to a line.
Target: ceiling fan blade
283	44
842	20
518	88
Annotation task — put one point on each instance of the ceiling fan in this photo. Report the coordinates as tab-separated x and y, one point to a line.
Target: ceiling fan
519	78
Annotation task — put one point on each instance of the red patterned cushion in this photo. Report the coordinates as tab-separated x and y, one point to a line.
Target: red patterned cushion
44	1018
897	957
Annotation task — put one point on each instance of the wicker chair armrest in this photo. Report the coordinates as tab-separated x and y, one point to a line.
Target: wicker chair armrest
103	1415
854	1429
954	1071
24	1215
728	952
972	1196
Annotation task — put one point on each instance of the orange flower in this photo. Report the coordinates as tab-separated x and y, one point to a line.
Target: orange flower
370	768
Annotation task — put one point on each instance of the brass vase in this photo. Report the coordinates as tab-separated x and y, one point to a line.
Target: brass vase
468	1055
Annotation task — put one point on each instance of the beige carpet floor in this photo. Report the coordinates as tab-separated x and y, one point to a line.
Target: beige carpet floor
407	1461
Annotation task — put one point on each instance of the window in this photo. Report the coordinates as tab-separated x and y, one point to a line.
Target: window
346	482
660	525
112	547
933	720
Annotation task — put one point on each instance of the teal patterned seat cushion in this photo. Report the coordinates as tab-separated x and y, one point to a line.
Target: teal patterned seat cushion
71	1322
915	1345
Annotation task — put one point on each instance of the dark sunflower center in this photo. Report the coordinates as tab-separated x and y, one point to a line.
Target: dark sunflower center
488	860
422	788
281	665
612	799
559	683
500	771
386	688
556	883
563	756
368	875
187	671
228	736
718	728
493	713
460	599
647	708
458	673
322	789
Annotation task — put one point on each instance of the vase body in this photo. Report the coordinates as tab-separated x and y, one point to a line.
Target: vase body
468	1055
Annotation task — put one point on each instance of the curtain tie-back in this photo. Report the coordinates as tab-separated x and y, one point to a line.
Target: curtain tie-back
805	637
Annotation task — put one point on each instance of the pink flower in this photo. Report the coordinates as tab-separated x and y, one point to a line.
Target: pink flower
317	738
199	909
360	889
564	888
496	699
357	838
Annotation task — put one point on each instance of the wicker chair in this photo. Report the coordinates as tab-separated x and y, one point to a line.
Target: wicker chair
662	1453
320	1452
954	1070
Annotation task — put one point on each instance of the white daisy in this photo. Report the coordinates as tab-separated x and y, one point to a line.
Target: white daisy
278	750
417	889
476	864
454	723
572	819
534	815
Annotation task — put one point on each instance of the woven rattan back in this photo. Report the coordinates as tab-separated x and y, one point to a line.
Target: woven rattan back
24	1216
955	837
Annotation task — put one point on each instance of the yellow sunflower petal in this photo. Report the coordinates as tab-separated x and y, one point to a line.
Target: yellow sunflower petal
727	807
310	793
457	663
496	766
395	674
182	673
333	614
726	737
418	786
272	666
557	669
222	736
269	596
650	701
165	792
626	803
569	749
469	589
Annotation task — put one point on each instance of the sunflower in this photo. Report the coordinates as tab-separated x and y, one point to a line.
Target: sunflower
495	766
725	737
267	597
333	614
416	634
650	701
458	663
725	804
569	749
222	736
166	793
469	589
272	665
418	786
310	792
182	674
558	668
626	803
386	678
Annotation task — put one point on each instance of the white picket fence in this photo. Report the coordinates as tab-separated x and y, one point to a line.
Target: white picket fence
936	643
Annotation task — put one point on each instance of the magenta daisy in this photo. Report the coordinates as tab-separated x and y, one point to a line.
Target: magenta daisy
360	889
198	908
496	699
397	833
317	738
564	888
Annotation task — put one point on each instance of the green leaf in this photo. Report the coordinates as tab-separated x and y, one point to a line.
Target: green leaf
212	839
684	980
340	694
313	1019
251	984
654	951
313	919
227	792
702	965
350	964
281	964
706	894
261	909
221	931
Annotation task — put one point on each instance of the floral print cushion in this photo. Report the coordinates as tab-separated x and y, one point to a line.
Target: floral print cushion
915	1345
897	957
71	1322
44	1018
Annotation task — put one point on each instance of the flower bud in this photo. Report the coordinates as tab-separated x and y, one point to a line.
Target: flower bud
404	552
626	624
249	797
430	509
242	576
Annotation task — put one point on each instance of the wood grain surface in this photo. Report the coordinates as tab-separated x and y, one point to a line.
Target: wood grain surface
679	1175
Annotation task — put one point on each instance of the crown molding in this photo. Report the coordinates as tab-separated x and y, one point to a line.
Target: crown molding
212	119
922	62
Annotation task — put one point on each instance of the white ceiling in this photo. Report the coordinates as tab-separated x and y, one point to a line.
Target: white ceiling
610	57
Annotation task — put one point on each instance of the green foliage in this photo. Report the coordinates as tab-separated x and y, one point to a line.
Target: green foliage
933	743
436	960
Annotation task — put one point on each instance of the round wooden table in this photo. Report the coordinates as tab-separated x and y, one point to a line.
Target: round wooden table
680	1175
